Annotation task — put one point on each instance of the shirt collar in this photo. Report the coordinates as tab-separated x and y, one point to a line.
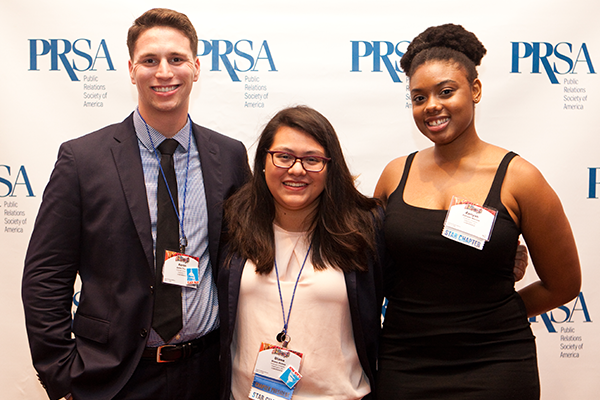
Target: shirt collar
157	138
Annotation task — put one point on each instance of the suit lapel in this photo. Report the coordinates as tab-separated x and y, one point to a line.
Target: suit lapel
126	154
213	187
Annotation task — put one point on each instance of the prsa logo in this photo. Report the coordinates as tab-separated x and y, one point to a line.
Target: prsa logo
379	52
10	180
593	182
577	312
241	56
560	59
76	56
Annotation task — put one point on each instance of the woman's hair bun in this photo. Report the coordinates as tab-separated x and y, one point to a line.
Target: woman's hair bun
448	36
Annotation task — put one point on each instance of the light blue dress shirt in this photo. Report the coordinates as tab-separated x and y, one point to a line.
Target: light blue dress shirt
200	306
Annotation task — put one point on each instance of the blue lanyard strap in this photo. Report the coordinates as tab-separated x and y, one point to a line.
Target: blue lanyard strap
283	333
182	239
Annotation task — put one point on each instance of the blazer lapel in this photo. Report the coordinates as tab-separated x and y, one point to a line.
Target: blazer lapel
213	187
234	271
126	154
355	313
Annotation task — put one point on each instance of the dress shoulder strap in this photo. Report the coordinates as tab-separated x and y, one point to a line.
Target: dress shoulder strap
493	198
407	164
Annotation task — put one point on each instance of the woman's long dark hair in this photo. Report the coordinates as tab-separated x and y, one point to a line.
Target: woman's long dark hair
342	232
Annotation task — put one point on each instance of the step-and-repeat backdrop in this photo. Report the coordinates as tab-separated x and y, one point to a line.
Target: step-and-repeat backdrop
64	74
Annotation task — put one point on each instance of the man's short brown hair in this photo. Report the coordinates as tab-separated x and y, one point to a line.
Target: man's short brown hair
162	17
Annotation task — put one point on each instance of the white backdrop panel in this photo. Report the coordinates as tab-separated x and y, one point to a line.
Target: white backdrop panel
302	53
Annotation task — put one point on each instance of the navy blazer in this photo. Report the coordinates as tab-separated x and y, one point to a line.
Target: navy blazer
365	297
94	221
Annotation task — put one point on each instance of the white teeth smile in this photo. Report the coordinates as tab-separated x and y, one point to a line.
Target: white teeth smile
438	122
164	88
294	184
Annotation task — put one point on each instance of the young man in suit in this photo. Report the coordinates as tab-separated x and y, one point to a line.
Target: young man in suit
99	218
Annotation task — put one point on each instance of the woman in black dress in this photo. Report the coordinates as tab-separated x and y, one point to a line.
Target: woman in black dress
455	327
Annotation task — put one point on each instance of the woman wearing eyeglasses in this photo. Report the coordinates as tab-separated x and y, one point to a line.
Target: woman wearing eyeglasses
299	288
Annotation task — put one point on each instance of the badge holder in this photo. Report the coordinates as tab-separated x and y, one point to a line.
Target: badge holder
275	373
469	223
181	269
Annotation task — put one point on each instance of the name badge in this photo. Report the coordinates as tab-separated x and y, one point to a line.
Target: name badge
181	269
469	223
276	373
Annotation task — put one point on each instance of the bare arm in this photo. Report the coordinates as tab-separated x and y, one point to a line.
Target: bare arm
549	238
389	179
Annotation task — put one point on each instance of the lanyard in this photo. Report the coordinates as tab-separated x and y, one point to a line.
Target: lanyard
183	242
283	336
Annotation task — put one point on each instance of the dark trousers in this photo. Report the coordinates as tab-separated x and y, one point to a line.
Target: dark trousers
196	377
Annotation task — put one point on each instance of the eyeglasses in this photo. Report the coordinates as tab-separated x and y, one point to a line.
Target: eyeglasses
281	159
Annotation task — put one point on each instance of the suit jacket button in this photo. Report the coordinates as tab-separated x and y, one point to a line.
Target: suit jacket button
143	332
152	289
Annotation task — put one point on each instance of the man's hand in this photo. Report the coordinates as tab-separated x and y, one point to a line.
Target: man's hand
521	261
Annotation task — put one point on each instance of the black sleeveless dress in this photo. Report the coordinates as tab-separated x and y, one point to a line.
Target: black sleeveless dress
455	328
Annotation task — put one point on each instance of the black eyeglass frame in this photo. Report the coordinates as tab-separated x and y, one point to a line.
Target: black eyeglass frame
296	158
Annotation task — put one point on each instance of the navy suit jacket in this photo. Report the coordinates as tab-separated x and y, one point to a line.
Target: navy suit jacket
365	296
94	221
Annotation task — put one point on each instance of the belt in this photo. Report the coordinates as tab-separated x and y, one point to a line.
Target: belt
179	351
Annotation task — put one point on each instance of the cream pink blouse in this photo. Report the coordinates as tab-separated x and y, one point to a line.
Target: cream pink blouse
320	326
